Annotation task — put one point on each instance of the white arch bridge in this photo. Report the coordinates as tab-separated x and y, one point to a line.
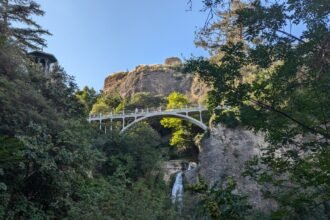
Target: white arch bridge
142	114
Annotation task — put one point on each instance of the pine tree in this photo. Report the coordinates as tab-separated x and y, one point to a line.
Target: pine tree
27	34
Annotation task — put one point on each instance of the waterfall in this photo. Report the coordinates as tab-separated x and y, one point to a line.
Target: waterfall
177	189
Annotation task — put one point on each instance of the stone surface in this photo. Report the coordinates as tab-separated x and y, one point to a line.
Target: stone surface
171	167
191	176
156	80
224	154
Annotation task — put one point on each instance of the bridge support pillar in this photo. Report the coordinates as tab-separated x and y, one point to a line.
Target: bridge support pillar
100	121
200	116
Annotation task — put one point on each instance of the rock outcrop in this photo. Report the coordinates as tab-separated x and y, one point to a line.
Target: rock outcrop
224	154
171	167
159	79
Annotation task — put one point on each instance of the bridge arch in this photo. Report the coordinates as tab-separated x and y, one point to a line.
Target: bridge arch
155	114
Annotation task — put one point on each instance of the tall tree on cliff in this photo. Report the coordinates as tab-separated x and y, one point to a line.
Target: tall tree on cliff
16	23
285	94
221	30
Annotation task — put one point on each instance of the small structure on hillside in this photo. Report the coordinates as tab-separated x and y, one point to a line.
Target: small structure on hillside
45	60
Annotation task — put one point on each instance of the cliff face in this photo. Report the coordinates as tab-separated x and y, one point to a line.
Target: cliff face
224	154
156	80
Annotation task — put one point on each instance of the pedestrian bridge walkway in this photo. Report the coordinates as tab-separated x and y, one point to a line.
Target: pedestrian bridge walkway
142	114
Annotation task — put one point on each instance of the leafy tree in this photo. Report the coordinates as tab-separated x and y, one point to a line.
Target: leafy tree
87	97
131	170
220	201
111	198
143	100
106	103
139	156
176	100
100	107
284	94
180	137
21	98
11	152
60	89
44	139
46	148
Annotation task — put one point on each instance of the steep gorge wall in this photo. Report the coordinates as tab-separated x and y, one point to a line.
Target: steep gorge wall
159	79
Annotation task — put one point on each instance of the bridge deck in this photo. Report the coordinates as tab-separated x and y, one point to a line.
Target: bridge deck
145	112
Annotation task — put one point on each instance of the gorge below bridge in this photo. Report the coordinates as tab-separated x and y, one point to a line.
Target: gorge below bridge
143	114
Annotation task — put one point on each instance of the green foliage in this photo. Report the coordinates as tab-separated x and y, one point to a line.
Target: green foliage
100	107
181	136
54	165
285	94
220	202
113	102
47	143
176	100
138	155
10	151
106	103
143	100
130	172
111	198
87	97
229	117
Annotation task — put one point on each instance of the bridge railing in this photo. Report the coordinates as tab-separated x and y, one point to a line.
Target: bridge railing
141	112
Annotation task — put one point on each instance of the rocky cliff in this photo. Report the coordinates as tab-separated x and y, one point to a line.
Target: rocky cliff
224	154
161	79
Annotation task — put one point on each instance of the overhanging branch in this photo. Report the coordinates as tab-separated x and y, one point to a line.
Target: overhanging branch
271	108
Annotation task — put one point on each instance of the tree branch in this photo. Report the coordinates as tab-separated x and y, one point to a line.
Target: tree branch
313	130
292	36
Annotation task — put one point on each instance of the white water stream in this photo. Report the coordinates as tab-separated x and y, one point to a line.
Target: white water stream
177	189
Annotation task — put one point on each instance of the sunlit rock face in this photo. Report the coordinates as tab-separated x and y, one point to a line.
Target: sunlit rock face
224	154
159	79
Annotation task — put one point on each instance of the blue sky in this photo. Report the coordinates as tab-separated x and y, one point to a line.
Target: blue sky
93	38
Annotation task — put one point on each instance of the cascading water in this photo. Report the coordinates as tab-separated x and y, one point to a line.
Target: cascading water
177	189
